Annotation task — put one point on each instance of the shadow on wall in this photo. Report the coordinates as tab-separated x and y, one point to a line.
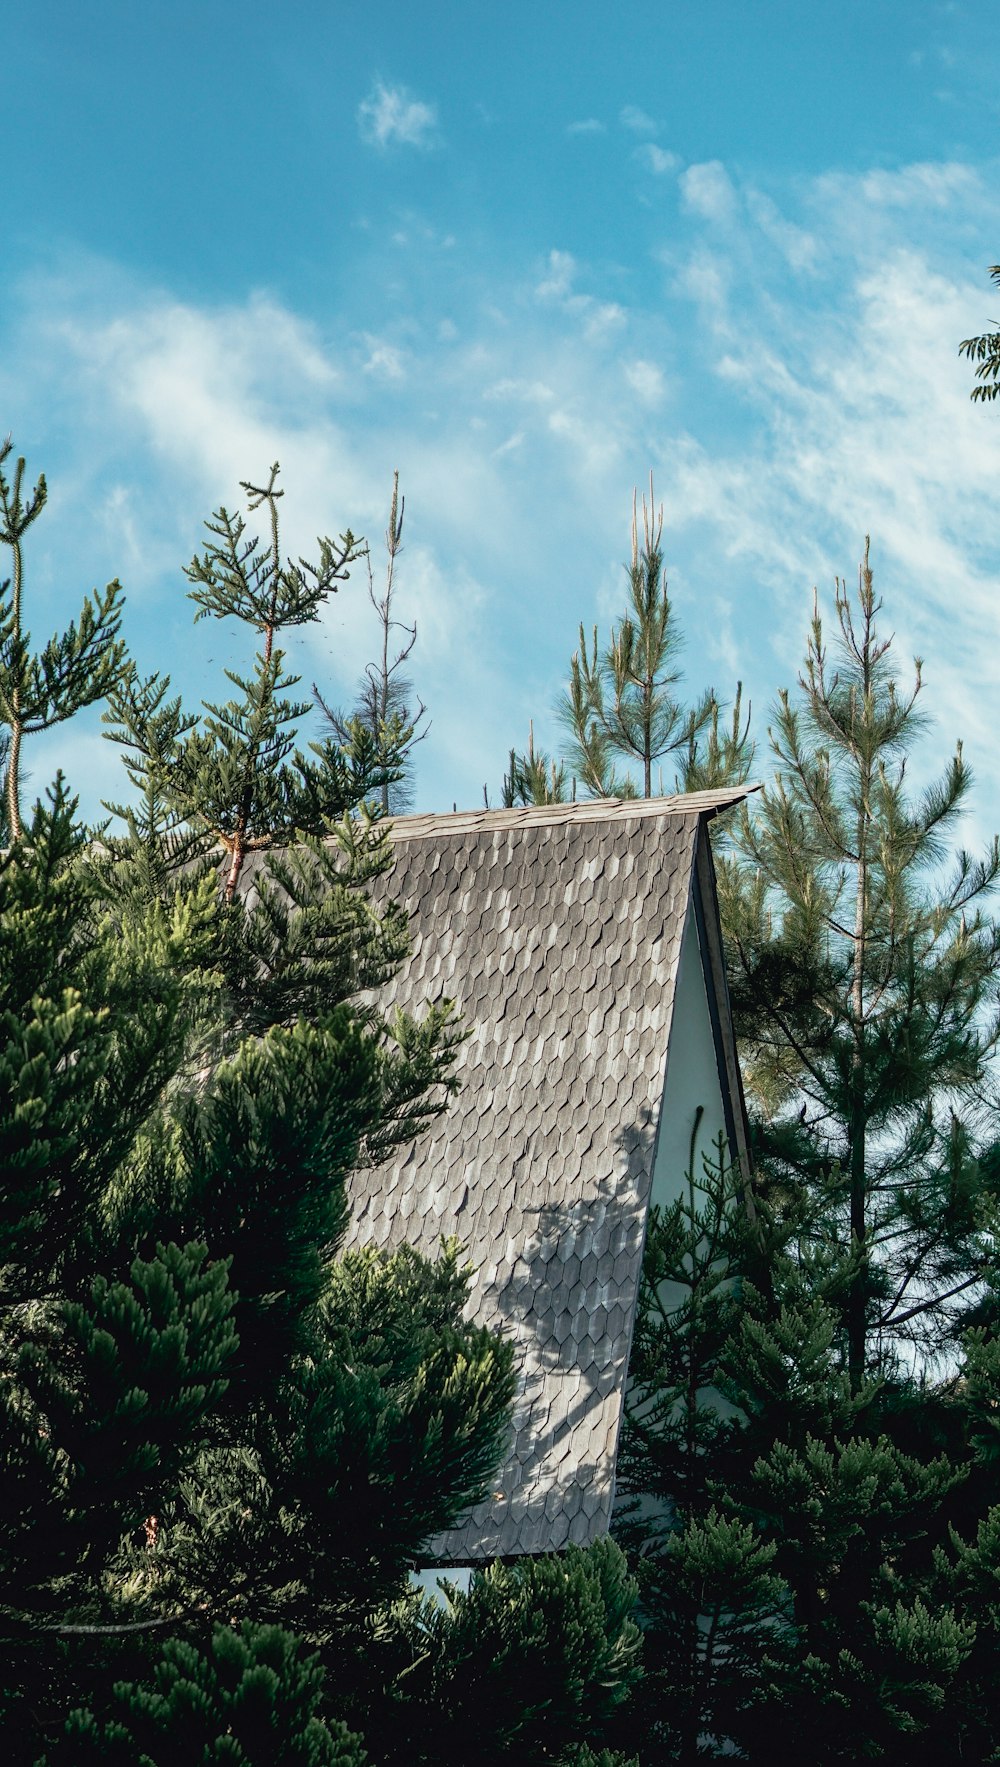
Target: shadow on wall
569	1305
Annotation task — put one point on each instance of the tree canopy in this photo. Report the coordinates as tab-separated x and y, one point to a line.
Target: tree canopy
621	712
225	1443
984	351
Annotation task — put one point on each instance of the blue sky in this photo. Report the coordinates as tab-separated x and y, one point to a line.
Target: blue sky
524	255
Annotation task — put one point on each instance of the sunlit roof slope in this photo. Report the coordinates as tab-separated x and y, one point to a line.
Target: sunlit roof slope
557	931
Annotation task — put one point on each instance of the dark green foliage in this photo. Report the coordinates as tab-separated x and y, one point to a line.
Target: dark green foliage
621	704
585	1757
422	1387
38	690
984	351
864	990
710	1600
204	1416
249	1699
222	1445
795	1566
556	1633
534	778
811	1442
236	776
811	1445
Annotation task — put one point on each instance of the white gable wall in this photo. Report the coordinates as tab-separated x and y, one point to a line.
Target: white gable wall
692	1077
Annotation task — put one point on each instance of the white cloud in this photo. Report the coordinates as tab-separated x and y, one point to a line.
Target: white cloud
558	281
705	277
797	246
707	190
595	448
510	446
637	121
535	392
864	425
645	380
658	160
383	358
391	114
599	317
781	429
587	126
921	184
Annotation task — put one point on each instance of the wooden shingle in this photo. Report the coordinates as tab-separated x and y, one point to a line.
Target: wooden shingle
558	933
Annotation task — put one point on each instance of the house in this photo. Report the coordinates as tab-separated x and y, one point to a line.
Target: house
581	944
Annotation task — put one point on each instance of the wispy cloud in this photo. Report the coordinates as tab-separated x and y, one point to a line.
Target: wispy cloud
512	443
707	190
392	114
534	392
645	380
840	413
559	278
179	402
597	317
637	121
920	185
587	126
658	160
780	430
383	358
798	247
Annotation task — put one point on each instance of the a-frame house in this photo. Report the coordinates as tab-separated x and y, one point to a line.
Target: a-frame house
581	944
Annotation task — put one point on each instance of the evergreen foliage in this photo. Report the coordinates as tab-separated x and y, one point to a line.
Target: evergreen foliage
223	1445
863	980
384	708
75	669
621	712
557	1630
984	351
811	1447
801	1573
251	1698
534	777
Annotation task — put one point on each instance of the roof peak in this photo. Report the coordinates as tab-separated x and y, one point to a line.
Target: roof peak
692	803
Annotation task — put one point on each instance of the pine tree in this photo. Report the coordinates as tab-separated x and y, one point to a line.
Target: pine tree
864	986
234	782
223	1445
785	1544
984	351
384	708
816	1516
534	777
621	712
202	1419
39	690
531	1665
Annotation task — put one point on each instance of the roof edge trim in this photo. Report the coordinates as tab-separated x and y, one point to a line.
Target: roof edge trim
694	803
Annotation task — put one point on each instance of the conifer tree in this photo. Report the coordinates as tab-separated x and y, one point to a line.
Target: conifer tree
792	1560
815	1516
864	986
38	690
224	1446
622	713
534	777
984	351
385	704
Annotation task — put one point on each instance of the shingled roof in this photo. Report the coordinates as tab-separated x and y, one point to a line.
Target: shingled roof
558	933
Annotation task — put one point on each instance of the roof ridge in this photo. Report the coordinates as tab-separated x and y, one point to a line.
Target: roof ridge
694	803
